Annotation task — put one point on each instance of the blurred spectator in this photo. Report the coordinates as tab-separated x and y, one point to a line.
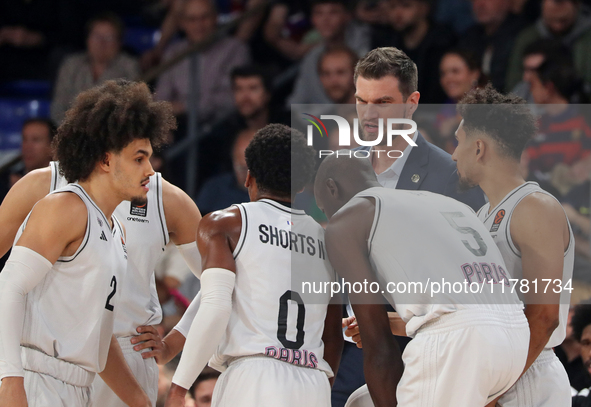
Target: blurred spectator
285	28
533	56
215	63
168	29
569	354
459	72
577	207
226	189
251	88
335	69
374	12
103	60
560	151
581	323
455	13
37	135
28	32
169	24
561	20
492	38
334	22
202	389
423	40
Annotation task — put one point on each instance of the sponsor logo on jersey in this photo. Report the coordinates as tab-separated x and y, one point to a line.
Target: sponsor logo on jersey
139	210
103	236
132	219
498	219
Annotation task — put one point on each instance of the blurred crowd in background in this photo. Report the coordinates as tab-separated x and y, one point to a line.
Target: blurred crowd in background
286	52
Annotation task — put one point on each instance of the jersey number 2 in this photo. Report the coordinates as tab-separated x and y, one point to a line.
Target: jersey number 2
114	285
282	320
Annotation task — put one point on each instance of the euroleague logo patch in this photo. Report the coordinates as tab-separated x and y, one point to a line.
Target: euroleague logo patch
498	219
139	210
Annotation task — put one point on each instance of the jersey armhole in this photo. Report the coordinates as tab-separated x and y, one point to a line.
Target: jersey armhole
86	235
165	235
54	176
243	231
376	218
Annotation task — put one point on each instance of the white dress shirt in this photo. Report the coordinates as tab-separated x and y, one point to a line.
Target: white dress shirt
389	178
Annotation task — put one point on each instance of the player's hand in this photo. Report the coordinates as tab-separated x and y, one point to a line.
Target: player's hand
397	326
176	396
12	392
149	338
352	330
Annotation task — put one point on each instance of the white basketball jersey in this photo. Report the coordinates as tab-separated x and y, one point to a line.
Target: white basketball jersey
279	248
498	223
433	256
147	235
69	315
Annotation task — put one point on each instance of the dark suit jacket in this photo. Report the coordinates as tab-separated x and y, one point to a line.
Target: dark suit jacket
436	172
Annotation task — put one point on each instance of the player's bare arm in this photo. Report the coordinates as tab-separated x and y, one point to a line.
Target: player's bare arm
58	239
540	231
332	337
181	213
182	220
119	377
18	203
347	236
217	238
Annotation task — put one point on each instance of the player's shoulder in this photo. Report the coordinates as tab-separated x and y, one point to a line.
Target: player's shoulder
227	221
180	211
36	180
172	196
536	210
66	209
355	216
538	204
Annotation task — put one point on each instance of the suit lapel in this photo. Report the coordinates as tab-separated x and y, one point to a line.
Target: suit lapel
415	169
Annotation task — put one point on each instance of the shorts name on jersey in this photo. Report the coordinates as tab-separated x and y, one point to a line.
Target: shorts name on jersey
294	356
287	239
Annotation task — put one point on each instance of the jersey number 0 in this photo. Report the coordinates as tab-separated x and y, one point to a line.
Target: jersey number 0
282	320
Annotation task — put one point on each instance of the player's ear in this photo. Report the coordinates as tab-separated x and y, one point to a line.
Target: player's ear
106	163
248	180
333	190
480	149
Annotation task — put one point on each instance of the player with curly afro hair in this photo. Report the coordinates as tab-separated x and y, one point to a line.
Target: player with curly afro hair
103	148
267	156
106	119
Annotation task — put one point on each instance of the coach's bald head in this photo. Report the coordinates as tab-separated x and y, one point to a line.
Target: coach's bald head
340	177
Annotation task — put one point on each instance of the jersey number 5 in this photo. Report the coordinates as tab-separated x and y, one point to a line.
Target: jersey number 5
282	320
114	285
481	251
